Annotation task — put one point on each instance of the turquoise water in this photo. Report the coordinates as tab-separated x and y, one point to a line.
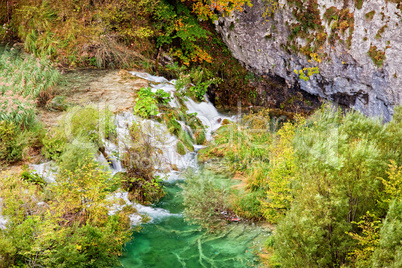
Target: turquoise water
171	242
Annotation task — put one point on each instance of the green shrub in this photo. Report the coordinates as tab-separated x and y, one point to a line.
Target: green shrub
67	226
139	160
90	122
54	143
33	178
206	200
389	251
10	150
75	154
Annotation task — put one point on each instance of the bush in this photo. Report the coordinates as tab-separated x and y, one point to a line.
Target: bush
54	143
83	128
89	122
140	159
76	154
10	150
389	251
206	201
68	226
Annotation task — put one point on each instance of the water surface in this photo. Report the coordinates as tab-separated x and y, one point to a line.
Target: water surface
171	242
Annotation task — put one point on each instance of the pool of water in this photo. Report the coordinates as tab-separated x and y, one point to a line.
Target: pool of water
169	241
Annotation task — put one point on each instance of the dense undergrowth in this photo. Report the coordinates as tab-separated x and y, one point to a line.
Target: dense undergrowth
153	35
330	183
68	222
26	82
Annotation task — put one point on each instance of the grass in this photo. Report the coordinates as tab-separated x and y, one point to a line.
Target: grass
22	81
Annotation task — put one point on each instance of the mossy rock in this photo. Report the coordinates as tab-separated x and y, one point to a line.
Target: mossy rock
173	126
187	140
194	122
180	148
226	122
200	137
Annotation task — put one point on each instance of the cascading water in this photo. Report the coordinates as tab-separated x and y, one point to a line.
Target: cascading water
169	241
166	240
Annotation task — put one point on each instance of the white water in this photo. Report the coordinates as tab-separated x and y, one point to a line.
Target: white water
159	137
142	211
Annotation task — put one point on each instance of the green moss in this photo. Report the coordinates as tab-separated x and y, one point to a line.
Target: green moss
226	121
200	137
359	4
187	140
370	15
380	32
173	126
376	55
180	148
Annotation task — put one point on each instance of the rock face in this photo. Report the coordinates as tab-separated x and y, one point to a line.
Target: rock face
356	45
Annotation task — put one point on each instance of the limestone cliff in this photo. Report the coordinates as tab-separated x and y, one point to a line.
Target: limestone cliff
356	45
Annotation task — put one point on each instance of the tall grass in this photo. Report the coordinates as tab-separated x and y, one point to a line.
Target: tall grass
22	79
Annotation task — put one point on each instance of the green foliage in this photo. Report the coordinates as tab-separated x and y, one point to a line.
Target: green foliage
90	122
177	25
310	71
54	143
194	83
10	150
206	200
22	80
67	224
14	142
393	184
317	178
146	102
376	55
180	148
139	159
206	10
75	154
367	241
33	178
80	134
339	159
145	190
88	33
244	148
282	174
389	251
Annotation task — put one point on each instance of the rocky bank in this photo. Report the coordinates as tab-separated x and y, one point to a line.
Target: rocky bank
356	45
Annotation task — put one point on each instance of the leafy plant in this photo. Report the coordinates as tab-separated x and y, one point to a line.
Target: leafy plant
147	102
69	225
310	71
